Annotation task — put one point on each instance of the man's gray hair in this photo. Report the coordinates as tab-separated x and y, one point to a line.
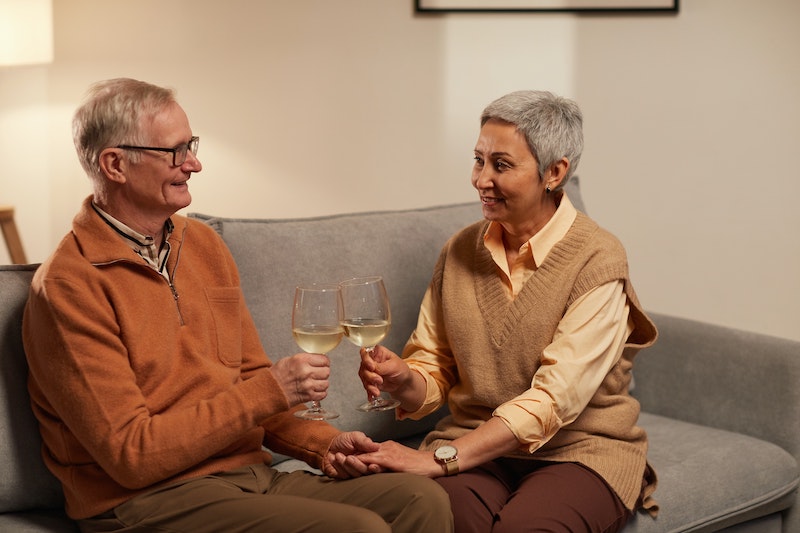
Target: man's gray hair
113	113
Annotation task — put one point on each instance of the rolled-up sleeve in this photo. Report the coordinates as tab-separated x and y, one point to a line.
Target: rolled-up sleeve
428	353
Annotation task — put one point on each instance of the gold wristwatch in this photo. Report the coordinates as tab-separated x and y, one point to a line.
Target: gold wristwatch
447	456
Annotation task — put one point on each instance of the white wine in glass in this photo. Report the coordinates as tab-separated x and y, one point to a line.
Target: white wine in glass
367	320
317	328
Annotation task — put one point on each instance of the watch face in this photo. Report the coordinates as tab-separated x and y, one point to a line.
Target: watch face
445	453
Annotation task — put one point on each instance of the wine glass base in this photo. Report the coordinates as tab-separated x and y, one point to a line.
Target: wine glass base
378	404
316	414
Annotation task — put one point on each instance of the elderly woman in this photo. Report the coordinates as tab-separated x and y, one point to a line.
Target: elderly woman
528	332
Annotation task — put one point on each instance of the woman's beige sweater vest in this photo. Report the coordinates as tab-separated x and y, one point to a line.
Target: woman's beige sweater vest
498	344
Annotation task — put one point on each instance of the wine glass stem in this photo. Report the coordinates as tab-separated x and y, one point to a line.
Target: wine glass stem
372	399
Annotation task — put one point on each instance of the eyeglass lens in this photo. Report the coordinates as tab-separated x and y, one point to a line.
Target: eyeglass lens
179	155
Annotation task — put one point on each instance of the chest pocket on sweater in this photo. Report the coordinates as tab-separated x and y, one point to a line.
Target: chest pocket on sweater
225	308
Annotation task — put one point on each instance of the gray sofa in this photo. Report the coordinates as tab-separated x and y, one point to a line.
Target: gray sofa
722	406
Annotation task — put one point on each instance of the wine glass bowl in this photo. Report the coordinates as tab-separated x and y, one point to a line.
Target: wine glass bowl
317	328
367	332
366	321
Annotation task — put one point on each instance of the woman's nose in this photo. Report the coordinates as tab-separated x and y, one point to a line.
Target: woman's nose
481	178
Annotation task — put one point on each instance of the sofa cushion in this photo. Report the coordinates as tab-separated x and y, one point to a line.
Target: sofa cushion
25	483
573	191
40	521
711	478
740	381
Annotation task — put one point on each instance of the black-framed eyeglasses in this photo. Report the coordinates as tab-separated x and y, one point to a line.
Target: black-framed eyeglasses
178	153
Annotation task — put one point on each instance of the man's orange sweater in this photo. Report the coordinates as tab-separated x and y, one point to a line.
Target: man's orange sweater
138	382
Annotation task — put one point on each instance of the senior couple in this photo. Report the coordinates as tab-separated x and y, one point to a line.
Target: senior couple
155	398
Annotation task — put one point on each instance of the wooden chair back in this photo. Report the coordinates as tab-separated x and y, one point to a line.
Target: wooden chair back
11	235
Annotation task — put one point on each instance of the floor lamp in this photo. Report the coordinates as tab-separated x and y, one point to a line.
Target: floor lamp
26	38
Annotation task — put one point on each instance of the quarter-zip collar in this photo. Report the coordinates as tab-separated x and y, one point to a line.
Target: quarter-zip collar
101	242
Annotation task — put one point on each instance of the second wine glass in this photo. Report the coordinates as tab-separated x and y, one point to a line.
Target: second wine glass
317	328
367	319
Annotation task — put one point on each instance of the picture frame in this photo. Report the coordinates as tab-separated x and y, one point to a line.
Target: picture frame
563	6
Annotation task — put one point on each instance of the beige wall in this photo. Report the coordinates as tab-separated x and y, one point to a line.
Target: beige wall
316	106
693	125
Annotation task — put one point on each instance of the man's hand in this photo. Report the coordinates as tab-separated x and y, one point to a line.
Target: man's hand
342	462
303	377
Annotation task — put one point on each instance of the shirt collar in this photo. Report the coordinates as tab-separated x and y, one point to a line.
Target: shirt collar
544	240
143	245
135	239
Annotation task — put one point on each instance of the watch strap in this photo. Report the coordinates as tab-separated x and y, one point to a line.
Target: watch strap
451	467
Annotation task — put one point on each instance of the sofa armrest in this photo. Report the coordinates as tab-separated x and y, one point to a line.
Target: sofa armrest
724	378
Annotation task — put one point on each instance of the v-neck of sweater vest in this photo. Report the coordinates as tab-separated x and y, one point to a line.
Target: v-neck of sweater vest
502	313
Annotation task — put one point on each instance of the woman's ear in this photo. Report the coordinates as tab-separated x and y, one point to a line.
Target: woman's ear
113	165
556	173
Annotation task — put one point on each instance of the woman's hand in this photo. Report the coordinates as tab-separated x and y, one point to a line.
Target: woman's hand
395	457
383	370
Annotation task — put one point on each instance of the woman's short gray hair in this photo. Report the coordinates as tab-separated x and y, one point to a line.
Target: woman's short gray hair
113	113
552	125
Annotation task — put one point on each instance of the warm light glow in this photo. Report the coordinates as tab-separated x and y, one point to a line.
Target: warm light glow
26	32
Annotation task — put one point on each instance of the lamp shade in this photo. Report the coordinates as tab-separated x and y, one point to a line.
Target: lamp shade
26	32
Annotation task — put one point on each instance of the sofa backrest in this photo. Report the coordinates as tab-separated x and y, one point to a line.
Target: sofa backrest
274	256
25	483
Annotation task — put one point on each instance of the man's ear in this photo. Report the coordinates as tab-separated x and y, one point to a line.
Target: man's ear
114	165
557	172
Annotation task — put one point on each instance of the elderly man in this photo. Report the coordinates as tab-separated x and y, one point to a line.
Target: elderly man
153	393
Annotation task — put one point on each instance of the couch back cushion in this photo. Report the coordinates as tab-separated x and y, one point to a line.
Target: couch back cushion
25	483
275	255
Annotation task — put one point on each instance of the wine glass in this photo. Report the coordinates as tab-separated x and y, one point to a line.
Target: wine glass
317	328
367	319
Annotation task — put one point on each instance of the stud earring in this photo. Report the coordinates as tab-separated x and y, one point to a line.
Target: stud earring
547	190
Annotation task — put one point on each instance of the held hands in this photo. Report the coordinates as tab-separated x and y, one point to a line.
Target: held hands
303	377
343	460
382	370
392	456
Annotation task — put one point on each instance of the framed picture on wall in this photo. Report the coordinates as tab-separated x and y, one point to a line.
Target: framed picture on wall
548	5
